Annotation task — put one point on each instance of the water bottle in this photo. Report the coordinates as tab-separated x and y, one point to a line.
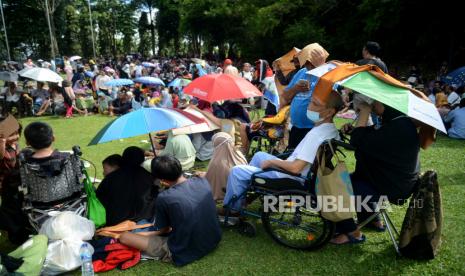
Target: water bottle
86	257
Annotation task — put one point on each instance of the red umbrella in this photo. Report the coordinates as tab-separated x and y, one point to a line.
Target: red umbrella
219	87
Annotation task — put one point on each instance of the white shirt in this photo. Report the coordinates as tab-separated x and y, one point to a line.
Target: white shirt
247	75
453	98
101	80
308	147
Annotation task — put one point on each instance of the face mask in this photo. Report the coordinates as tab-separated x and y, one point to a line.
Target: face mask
313	116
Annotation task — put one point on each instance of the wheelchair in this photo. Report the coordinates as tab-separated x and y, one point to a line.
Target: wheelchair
268	133
294	224
52	186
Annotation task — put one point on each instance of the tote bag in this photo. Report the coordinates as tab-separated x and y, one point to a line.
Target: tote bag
334	190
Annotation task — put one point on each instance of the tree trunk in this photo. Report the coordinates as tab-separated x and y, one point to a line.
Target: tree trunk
54	38
152	31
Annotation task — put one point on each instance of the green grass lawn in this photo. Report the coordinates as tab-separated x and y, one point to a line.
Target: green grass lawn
239	255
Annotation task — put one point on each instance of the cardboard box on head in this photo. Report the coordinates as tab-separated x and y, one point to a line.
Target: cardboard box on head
8	126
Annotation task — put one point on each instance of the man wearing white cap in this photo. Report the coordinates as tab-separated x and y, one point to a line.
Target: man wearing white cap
299	91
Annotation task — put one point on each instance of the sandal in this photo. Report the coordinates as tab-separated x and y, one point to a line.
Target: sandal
351	240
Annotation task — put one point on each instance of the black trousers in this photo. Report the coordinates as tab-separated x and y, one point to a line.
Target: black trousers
296	135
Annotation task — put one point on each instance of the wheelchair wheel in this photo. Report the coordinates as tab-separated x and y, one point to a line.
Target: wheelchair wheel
247	228
298	227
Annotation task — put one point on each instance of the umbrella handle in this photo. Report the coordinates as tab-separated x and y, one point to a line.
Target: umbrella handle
153	146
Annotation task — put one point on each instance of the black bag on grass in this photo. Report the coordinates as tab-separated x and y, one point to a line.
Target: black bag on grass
420	236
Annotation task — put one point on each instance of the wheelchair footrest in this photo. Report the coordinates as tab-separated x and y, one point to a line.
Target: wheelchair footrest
277	184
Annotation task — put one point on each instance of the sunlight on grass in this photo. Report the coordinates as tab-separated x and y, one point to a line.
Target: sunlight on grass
238	255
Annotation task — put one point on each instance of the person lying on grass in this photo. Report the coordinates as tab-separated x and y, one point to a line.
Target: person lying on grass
185	216
299	162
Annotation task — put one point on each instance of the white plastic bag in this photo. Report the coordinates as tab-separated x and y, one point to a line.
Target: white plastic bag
63	256
68	225
66	232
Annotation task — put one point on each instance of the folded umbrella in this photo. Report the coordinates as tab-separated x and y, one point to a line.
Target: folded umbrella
40	74
119	82
218	87
149	81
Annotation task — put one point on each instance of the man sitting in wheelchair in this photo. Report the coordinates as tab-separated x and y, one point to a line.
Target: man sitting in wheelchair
299	162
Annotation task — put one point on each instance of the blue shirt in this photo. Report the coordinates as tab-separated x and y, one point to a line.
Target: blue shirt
190	210
301	100
457	119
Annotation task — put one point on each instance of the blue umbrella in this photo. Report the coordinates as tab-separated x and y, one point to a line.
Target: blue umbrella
456	77
139	122
149	81
202	71
179	82
148	64
119	82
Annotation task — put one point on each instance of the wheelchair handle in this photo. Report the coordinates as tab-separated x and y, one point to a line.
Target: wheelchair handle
77	151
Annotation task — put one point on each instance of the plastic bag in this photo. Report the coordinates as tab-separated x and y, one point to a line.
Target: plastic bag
63	256
68	225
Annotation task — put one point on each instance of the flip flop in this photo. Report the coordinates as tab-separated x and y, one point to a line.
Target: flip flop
352	240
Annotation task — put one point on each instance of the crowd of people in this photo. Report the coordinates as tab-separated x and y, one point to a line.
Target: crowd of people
149	186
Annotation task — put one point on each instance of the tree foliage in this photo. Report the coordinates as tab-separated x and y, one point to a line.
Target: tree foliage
409	31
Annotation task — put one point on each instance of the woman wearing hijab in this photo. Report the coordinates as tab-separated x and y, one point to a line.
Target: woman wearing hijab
225	157
129	192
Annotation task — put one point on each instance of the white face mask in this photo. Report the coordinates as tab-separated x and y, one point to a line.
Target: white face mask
314	116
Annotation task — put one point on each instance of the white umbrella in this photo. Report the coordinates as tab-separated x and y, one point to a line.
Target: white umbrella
197	128
73	58
40	74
